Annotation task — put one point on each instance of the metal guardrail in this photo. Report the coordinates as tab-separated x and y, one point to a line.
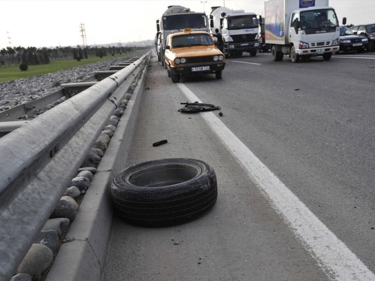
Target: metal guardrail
38	161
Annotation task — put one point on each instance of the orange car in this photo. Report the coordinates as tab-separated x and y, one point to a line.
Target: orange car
192	52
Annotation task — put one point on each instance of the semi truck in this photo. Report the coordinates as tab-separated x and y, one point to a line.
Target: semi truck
237	28
301	29
175	19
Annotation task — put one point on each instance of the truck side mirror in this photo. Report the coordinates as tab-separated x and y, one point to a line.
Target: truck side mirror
211	23
260	20
221	23
343	21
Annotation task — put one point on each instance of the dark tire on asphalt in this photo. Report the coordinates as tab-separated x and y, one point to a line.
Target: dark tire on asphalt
164	192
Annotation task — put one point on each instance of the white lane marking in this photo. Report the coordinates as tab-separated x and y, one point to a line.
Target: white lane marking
355	57
337	261
245	62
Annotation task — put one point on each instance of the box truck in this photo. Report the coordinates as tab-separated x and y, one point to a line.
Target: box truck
175	19
301	29
238	30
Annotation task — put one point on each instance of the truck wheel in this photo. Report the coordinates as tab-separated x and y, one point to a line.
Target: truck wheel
275	54
327	56
293	55
175	77
164	192
218	74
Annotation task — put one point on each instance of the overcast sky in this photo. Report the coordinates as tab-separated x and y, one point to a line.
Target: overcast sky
51	23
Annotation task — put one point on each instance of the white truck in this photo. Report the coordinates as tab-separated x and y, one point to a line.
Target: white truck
175	19
239	30
301	29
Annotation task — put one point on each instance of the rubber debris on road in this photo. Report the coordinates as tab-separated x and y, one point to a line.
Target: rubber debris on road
159	143
197	107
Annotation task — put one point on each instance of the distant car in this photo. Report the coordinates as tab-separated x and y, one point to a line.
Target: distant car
351	42
192	52
367	30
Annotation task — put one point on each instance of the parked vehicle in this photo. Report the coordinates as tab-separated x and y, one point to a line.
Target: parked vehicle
367	30
238	29
351	42
301	29
190	52
175	19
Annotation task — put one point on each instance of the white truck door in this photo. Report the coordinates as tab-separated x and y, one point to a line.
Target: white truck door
293	29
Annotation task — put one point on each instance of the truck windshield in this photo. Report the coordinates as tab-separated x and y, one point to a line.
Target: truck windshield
191	40
240	22
181	21
319	21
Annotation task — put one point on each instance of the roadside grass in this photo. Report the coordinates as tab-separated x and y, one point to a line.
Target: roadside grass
8	73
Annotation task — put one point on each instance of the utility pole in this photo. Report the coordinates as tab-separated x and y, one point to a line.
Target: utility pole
204	7
83	34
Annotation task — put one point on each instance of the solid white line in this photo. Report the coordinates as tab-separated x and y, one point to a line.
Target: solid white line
337	261
355	57
245	62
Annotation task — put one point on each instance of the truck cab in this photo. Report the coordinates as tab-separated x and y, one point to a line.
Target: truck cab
301	29
238	29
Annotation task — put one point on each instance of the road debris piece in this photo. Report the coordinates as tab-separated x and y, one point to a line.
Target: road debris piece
159	143
197	107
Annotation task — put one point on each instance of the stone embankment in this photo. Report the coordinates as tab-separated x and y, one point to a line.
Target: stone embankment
20	91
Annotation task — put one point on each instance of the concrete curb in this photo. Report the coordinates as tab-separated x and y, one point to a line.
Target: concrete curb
83	258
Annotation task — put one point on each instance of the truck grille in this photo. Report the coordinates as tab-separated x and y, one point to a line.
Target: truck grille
243	38
199	59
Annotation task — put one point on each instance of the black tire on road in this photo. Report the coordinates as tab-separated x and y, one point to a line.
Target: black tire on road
164	192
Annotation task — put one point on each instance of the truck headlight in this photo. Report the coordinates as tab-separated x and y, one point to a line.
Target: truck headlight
336	42
364	40
344	42
303	45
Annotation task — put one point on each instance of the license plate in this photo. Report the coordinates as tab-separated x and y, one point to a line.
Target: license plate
320	51
200	68
357	44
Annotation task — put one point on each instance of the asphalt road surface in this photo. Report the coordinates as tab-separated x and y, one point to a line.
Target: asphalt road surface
294	157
